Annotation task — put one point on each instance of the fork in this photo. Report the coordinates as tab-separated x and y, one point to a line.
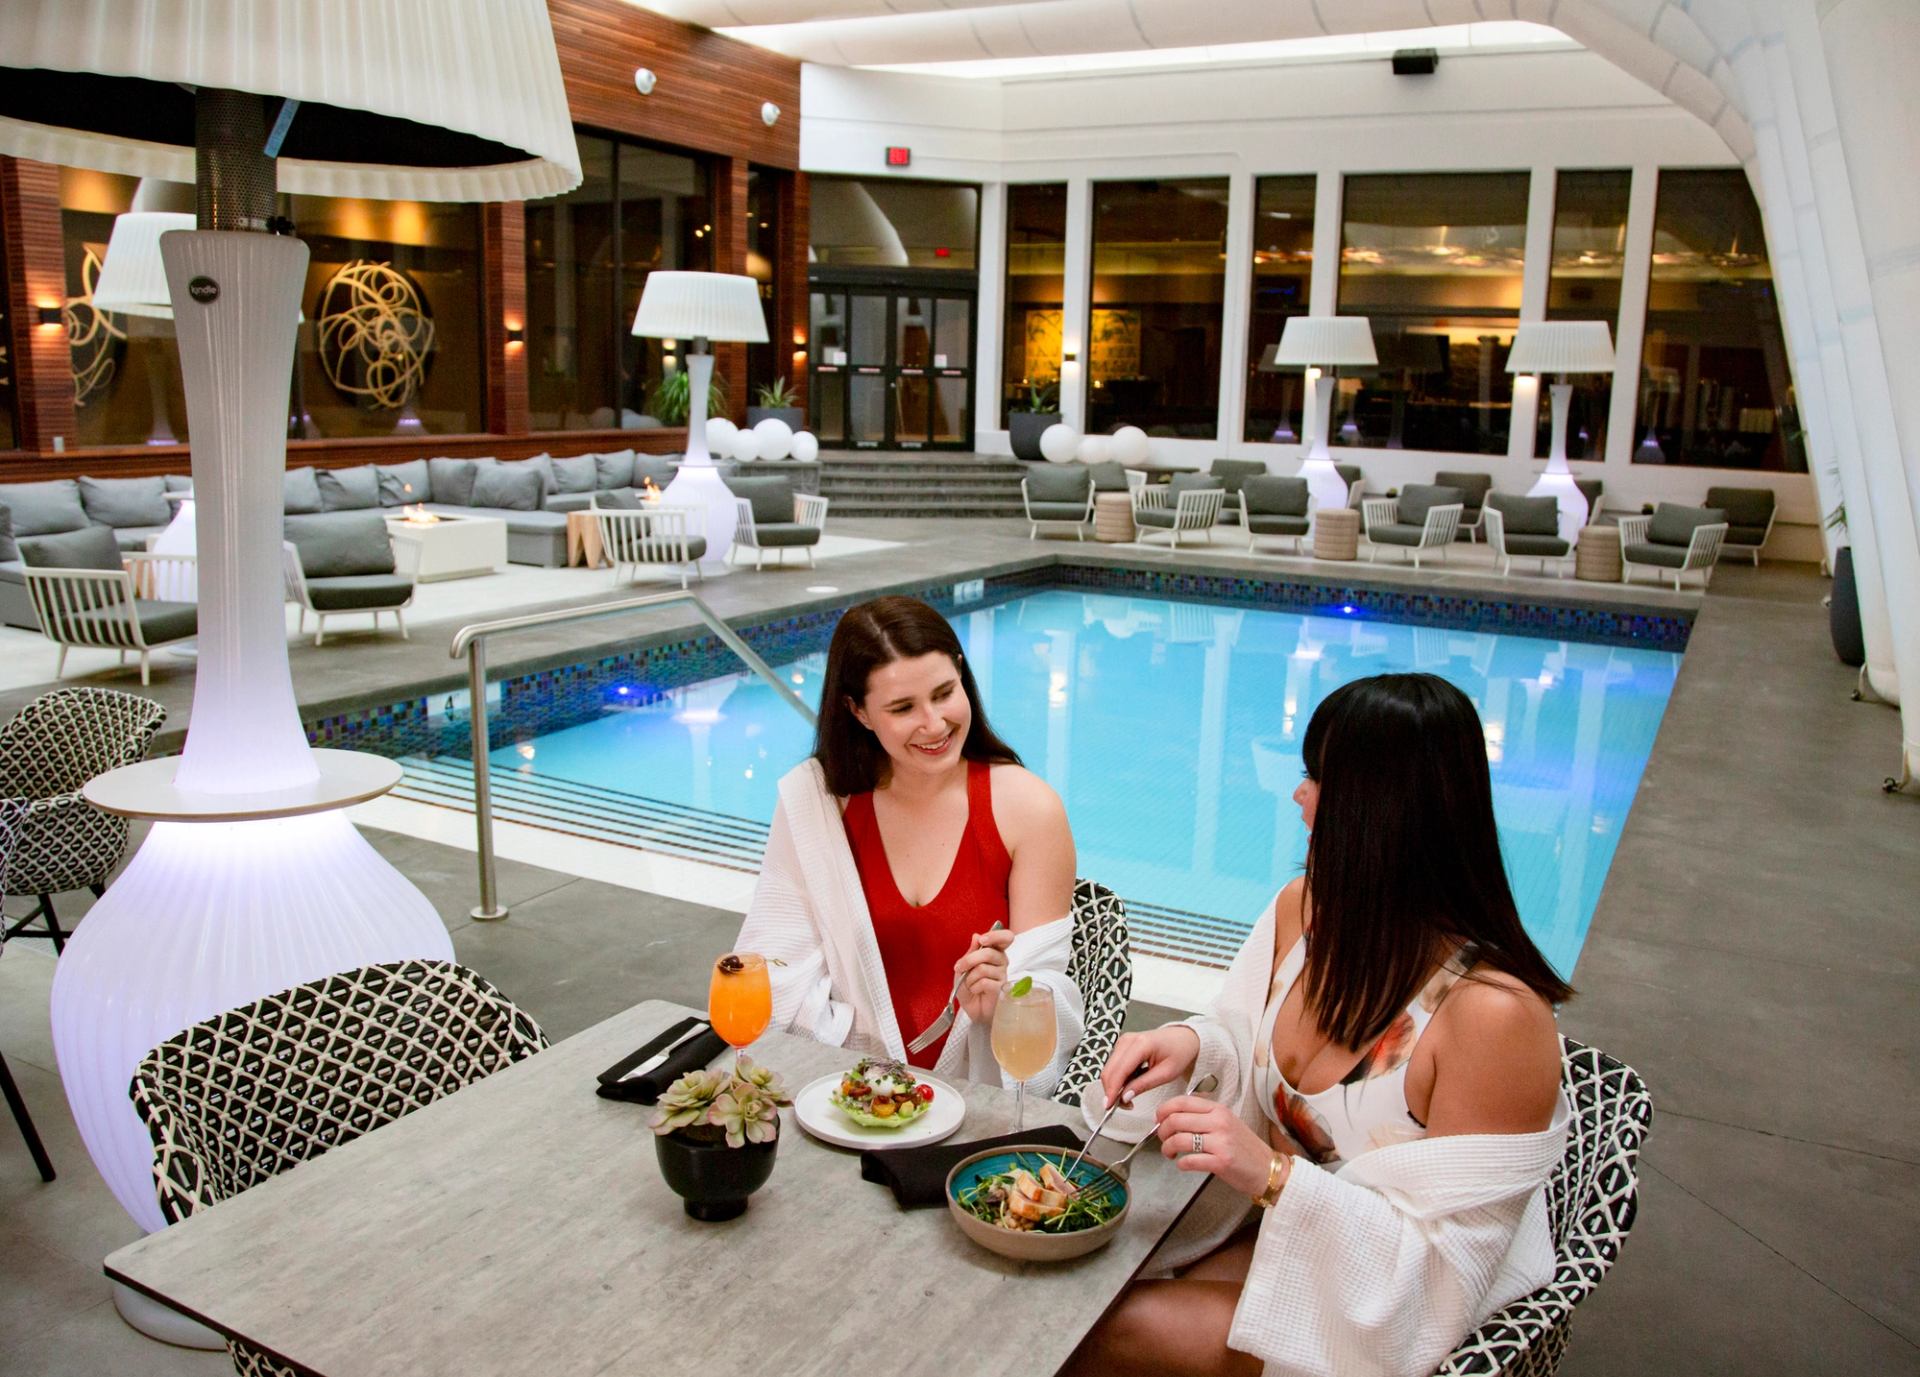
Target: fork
932	1032
1109	1176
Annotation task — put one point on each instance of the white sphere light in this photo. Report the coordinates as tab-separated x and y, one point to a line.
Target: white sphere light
805	447
1058	442
720	433
1096	449
746	446
776	438
1130	444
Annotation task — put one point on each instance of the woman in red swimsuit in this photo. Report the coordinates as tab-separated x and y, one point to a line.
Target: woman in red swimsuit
944	833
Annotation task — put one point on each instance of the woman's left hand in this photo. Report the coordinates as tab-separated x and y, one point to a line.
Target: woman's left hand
985	969
1228	1148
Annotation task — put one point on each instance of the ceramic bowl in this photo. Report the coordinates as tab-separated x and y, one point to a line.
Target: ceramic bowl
1037	1246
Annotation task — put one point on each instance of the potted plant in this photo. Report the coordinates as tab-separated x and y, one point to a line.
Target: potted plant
1843	605
1026	424
777	402
672	398
715	1133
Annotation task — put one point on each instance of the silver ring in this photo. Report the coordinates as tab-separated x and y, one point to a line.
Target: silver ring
1199	1143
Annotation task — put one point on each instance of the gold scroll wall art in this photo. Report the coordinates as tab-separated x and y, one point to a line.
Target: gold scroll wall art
95	338
375	334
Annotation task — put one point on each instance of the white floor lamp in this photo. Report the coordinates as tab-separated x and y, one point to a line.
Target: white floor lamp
133	282
1561	347
251	878
1316	343
698	307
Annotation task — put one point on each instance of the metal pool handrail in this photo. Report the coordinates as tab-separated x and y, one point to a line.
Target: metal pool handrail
471	641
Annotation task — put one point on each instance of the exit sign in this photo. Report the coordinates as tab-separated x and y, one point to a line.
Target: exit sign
899	157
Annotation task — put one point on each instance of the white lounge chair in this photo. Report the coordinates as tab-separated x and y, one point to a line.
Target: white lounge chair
1189	503
1435	529
101	609
655	535
1673	542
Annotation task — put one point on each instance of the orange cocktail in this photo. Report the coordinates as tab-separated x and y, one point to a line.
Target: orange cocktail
740	1001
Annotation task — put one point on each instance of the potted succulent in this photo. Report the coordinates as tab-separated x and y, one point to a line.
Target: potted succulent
777	402
715	1133
1026	424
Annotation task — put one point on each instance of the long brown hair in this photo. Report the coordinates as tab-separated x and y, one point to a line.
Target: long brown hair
872	634
1404	865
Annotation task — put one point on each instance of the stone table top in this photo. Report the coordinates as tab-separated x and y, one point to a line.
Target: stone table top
521	1226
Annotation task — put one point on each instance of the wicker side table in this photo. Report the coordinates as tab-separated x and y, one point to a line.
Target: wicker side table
1596	558
1113	517
1336	533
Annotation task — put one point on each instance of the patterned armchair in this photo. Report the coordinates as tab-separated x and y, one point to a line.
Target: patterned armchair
1102	967
11	811
47	752
1591	1200
243	1096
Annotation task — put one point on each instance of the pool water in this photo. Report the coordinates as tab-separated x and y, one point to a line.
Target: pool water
1172	731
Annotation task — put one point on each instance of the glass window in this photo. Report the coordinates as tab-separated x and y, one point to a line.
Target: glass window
1714	387
1282	282
765	362
1036	275
588	256
884	222
9	427
1159	278
1434	261
1589	250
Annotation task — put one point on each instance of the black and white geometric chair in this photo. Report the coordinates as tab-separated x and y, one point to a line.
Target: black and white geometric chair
1102	967
1591	1200
53	746
11	811
239	1098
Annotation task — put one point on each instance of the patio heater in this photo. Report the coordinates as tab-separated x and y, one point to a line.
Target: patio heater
252	879
1315	343
699	307
1561	347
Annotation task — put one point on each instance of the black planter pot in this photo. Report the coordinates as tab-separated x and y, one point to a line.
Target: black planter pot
790	414
1843	612
714	1179
1024	429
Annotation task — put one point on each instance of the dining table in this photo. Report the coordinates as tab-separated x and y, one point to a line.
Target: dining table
521	1225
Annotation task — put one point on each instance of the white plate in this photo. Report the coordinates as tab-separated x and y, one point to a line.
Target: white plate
815	1110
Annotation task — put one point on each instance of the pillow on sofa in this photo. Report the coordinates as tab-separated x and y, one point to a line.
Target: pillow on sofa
508	487
655	466
44	508
334	544
126	501
541	464
613	470
578	474
402	485
451	481
90	547
348	490
300	493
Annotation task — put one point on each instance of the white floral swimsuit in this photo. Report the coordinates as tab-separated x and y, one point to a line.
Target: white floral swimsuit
1368	1108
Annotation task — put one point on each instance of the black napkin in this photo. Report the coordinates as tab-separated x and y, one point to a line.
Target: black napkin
618	1082
918	1176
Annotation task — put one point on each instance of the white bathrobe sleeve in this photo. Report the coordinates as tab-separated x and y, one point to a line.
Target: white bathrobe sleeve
782	923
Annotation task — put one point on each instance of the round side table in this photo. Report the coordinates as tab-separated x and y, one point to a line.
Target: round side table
1336	533
1596	557
1113	517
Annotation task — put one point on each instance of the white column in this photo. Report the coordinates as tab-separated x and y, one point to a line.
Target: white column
1236	310
1536	270
990	313
1076	298
1636	276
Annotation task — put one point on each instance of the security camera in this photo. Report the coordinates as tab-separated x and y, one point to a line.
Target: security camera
643	79
769	114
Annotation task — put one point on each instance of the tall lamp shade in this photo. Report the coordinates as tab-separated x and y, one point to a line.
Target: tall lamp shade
252	879
1315	343
699	307
1560	347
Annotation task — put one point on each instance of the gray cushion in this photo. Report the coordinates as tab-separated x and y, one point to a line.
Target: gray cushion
668	552
1056	511
332	544
1531	544
1234	472
1673	524
1745	535
1154	516
1417	499
1526	515
358	592
1277	525
658	467
44	508
618	500
451	481
567	501
1591	489
1349	473
1190	482
1670	556
13	571
135	537
9	552
511	487
1272	495
348	490
160	621
1473	489
300	493
1110	476
179	482
1059	483
90	547
577	474
541	464
613	470
1397	533
1746	508
402	485
538	522
786	533
772	499
126	501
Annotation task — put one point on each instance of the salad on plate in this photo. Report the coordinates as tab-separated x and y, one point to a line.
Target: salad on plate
881	1093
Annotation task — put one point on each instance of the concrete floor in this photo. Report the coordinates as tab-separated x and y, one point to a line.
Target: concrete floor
1753	956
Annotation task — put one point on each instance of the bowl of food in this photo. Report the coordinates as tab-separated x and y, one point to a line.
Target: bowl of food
881	1093
1036	1204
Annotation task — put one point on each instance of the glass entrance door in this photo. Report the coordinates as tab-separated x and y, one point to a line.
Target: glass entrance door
892	367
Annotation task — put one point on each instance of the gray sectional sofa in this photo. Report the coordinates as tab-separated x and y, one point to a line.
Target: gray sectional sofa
134	509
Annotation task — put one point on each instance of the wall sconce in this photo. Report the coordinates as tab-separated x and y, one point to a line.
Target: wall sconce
769	114
49	315
1070	356
643	80
515	335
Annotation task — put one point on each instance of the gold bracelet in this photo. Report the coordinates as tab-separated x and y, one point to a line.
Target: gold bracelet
1276	1181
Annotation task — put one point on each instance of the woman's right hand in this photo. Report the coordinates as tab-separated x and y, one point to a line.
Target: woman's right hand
1141	1061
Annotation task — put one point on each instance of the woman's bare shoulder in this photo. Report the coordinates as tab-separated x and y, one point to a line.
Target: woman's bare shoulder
1019	795
1289	915
1498	1056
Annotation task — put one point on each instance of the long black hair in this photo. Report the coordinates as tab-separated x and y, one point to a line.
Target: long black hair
1403	866
872	634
